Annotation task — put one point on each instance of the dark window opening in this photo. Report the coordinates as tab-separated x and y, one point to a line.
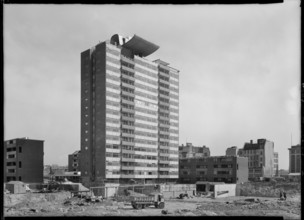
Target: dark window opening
20	164
20	149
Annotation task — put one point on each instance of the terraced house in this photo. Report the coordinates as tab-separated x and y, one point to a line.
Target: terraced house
129	114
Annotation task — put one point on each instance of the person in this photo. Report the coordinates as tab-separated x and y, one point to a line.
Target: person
284	194
281	194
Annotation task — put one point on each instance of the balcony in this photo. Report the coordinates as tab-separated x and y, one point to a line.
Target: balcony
164	147
127	126
164	161
163	74
168	176
127	135
170	169
164	89
164	103
138	176
128	85
127	167
164	154
114	176
127	93
127	110
127	59
112	167
110	150
164	132
127	159
164	110
131	78
164	118
164	96
128	118
127	69
163	81
112	159
164	140
127	143
125	101
146	168
164	125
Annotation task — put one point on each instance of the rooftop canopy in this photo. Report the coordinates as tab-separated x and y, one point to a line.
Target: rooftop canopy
136	44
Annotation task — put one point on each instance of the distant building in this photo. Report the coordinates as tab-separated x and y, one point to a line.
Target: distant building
283	172
231	151
295	159
23	160
58	169
189	151
260	158
275	164
228	169
74	160
61	176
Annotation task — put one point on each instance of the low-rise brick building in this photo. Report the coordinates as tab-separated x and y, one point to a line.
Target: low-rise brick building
74	161
228	169
23	160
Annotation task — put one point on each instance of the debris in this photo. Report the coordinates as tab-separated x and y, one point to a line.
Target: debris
164	211
252	200
33	210
11	208
183	195
67	202
43	210
98	199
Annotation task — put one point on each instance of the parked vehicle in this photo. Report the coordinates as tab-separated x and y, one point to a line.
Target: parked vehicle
153	199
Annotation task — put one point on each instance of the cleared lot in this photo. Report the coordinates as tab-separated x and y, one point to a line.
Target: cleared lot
61	204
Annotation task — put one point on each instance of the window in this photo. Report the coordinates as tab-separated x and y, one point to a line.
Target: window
20	178
20	149
11	156
11	170
20	164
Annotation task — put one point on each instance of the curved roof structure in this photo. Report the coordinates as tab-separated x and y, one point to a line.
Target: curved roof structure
138	45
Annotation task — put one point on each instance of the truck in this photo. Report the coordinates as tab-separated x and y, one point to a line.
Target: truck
153	199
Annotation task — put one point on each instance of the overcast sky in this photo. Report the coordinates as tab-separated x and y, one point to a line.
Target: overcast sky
239	70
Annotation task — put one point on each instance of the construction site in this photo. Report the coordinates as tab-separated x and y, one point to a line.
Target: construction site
201	199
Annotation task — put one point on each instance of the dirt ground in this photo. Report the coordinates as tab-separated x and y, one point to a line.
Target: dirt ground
62	204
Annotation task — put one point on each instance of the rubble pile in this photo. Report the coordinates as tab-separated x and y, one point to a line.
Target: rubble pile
269	189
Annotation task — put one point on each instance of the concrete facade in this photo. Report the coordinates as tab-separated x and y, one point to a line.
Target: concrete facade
188	151
228	169
260	158
129	114
74	161
295	159
23	160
